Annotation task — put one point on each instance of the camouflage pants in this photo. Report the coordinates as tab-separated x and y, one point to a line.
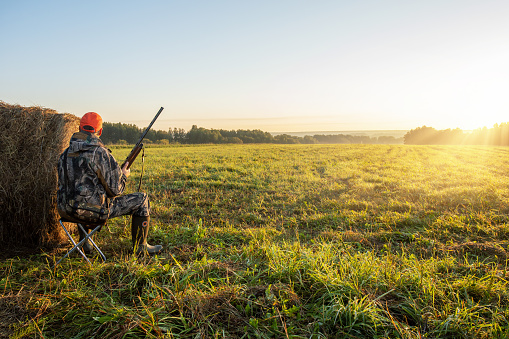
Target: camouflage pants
134	203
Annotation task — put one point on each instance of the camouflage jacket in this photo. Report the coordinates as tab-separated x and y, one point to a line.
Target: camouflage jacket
88	176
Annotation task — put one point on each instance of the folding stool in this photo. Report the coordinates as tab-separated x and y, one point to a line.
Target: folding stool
77	246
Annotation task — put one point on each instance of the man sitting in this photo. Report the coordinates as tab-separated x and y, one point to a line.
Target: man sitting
90	184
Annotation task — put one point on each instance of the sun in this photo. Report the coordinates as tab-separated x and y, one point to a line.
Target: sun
474	121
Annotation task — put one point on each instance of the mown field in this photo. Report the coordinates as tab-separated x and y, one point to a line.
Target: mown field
288	241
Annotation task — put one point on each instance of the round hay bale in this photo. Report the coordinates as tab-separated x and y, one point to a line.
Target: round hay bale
31	141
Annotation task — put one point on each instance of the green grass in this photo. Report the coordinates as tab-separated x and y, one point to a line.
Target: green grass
288	241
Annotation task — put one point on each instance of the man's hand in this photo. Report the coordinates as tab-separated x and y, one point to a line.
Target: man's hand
126	171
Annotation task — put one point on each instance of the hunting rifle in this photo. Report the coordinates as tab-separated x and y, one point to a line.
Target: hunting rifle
139	145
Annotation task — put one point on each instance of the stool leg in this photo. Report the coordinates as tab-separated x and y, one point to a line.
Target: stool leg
89	237
76	246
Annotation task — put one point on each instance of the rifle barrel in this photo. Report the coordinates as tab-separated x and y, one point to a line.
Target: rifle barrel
149	126
137	148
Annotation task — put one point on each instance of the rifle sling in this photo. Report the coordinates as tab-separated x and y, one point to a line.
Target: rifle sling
142	167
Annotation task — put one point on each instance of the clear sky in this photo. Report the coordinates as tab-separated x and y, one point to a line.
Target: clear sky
286	65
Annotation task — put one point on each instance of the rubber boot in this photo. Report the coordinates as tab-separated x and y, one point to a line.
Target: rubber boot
87	246
139	232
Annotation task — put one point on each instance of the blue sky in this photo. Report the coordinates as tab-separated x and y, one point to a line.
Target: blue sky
273	65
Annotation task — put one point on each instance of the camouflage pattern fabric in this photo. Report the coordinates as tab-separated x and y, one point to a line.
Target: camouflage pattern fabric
134	203
90	182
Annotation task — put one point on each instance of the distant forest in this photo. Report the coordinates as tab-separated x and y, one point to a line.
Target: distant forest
119	133
498	135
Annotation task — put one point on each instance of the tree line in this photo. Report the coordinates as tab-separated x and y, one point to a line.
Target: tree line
120	133
498	135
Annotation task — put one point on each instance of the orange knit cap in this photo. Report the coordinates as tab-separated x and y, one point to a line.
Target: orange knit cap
91	122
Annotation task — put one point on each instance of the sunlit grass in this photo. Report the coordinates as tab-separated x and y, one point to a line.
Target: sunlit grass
297	241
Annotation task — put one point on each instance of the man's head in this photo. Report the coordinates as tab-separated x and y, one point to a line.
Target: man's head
92	122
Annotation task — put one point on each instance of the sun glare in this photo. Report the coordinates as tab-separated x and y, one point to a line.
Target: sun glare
470	121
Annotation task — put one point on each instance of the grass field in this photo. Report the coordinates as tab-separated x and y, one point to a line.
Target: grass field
288	241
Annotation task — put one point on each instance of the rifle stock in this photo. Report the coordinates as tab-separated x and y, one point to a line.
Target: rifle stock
139	145
132	156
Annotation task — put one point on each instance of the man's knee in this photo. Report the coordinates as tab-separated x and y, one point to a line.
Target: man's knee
134	203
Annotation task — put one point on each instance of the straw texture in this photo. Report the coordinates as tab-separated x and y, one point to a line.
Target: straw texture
31	140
